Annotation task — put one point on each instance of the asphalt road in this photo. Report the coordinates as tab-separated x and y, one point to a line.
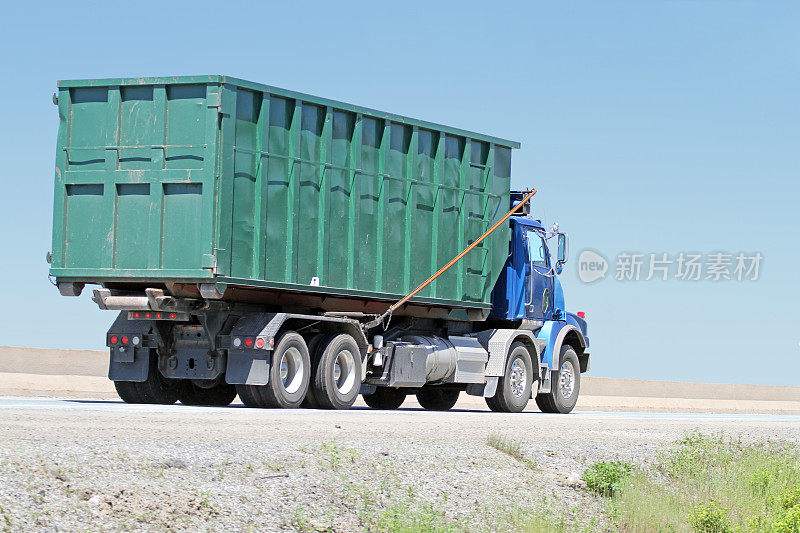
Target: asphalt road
360	411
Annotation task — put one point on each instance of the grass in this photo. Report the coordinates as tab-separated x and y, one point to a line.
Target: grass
510	447
338	454
711	484
604	478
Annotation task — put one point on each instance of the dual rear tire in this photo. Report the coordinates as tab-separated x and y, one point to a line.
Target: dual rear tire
218	395
436	399
336	373
327	376
289	376
153	390
431	399
385	398
156	389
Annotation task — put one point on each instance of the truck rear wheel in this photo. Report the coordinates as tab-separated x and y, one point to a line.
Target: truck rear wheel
315	344
248	395
335	373
289	373
156	389
437	399
385	398
220	395
127	391
514	388
565	385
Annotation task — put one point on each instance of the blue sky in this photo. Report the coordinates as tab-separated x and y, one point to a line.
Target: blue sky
646	126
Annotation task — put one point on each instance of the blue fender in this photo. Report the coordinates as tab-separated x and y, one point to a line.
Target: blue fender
554	332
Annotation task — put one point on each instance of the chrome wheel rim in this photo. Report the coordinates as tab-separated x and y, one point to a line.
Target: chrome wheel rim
517	378
344	371
291	370
566	379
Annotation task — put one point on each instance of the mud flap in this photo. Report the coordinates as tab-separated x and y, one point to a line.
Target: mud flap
128	365
247	368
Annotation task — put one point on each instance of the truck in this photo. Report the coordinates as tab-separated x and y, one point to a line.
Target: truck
298	251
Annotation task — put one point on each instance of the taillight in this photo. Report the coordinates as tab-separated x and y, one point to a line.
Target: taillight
259	343
113	339
124	340
581	314
248	342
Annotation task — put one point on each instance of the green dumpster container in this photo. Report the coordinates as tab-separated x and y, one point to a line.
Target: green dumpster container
276	195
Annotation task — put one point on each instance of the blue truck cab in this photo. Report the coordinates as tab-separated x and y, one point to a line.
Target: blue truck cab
529	295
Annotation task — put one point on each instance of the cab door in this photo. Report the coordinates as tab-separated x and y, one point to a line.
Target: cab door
539	279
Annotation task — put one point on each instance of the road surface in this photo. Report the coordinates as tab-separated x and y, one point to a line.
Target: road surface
93	464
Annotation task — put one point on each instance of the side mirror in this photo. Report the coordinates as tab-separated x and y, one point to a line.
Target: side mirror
563	251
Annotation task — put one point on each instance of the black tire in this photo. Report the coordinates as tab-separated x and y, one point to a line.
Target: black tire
557	400
509	397
315	346
220	395
438	399
335	373
127	391
248	395
185	391
291	348
156	389
385	398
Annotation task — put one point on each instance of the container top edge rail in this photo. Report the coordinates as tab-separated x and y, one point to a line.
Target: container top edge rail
277	91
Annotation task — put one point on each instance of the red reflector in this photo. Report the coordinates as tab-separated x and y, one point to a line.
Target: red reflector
124	340
259	343
113	339
158	315
136	315
581	314
172	315
147	315
248	342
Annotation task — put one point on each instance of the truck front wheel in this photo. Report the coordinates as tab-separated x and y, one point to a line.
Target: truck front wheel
565	385
514	389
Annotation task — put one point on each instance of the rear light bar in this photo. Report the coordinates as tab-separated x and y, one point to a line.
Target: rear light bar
124	340
260	343
158	315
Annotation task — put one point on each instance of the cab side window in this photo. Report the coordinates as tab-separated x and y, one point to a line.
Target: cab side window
536	249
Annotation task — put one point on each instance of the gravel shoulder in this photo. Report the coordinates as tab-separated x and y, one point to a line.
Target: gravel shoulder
73	465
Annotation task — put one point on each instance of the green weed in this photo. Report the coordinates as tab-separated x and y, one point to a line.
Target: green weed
604	478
